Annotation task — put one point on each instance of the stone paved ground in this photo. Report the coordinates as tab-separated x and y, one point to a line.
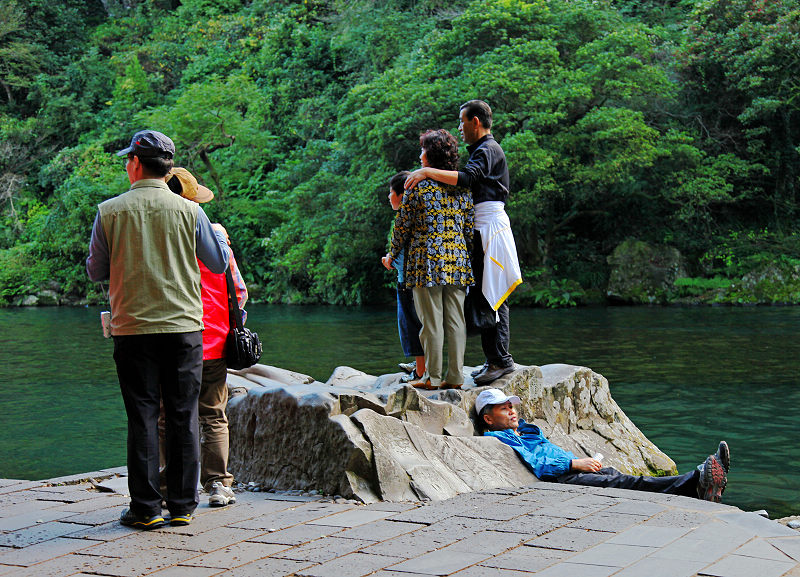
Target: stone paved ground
66	527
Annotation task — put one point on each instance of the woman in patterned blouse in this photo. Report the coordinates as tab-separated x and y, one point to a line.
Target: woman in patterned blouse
435	225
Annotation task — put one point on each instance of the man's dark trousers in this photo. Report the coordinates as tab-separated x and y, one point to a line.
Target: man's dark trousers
685	484
495	340
150	368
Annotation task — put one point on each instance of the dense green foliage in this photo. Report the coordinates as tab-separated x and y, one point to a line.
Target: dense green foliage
671	122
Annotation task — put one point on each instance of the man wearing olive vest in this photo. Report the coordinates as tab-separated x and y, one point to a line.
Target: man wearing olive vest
146	243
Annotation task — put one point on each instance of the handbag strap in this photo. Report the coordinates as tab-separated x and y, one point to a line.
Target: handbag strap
234	313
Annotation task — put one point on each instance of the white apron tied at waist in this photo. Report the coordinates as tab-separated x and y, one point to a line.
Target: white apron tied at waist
501	272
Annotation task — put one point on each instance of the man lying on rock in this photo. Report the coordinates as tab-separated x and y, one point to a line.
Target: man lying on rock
552	463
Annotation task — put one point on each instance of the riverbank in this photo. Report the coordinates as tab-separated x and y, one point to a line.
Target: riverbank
66	526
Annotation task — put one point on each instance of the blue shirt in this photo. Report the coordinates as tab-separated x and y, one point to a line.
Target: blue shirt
546	460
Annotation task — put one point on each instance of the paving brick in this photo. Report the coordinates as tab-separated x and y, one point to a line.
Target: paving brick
37	534
484	571
677	518
352	565
691	549
648	536
490	542
569	539
660	567
630	507
181	571
390	506
144	562
21	486
101	501
497	512
526	559
460	527
611	523
738	566
572	569
757	524
105	532
442	562
94	518
42	551
612	555
288	517
762	549
235	555
296	535
380	530
532	525
410	544
59	567
202	542
62	494
352	518
323	549
566	511
268	567
716	531
789	545
31	519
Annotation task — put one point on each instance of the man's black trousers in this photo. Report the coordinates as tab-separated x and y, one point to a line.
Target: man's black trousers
151	368
685	484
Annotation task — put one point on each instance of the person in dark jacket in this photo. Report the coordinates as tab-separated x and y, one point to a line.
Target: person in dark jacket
550	462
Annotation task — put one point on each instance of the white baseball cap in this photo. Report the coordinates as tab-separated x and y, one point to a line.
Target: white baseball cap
493	397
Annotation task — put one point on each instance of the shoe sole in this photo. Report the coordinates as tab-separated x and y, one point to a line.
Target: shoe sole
426	386
145	525
481	381
221	502
724	456
180	520
449	386
715	480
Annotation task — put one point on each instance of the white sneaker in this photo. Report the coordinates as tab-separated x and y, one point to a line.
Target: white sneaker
220	495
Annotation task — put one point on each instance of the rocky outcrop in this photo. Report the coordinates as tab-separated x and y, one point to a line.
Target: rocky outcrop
372	438
643	273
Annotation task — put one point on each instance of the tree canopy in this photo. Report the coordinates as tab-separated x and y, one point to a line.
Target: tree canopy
670	122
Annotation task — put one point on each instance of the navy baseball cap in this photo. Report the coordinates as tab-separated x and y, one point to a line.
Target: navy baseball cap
150	144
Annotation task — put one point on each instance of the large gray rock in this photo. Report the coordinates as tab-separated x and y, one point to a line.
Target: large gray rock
373	438
643	273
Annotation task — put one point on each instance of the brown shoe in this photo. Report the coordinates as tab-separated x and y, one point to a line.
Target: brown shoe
445	385
420	384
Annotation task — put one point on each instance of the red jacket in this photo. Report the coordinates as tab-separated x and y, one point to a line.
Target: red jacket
214	291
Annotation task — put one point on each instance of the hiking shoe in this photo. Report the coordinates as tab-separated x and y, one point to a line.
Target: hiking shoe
723	455
712	480
220	495
492	373
480	369
412	376
408	367
181	520
423	383
131	519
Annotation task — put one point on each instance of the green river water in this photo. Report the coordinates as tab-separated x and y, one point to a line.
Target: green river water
687	377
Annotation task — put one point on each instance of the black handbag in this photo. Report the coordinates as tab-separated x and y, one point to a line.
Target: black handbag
243	347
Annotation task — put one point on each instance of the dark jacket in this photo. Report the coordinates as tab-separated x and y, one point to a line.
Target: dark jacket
486	171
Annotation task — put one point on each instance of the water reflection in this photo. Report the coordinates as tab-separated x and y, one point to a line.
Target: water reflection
687	377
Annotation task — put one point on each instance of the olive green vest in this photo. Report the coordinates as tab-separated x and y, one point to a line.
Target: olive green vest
155	280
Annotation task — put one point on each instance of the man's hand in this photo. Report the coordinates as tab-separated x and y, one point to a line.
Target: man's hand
416	177
587	465
218	227
387	261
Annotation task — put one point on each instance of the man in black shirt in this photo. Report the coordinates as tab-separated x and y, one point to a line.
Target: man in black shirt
486	175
